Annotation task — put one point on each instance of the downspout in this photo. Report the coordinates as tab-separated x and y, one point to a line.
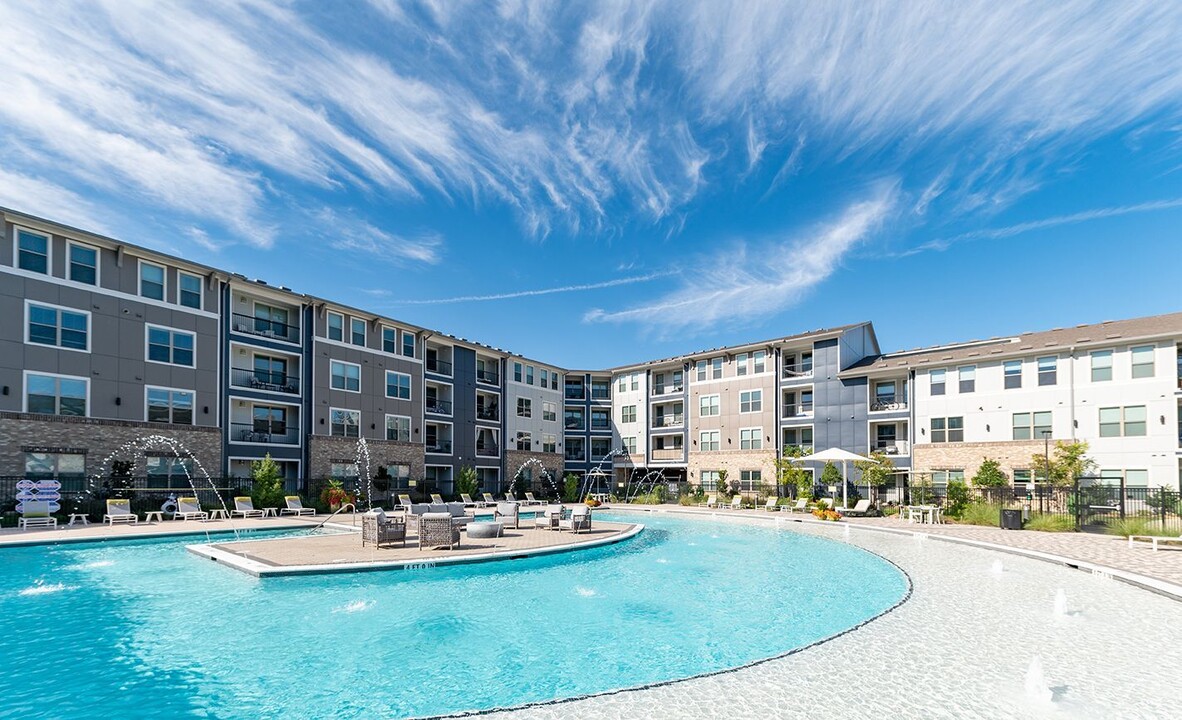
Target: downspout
1071	393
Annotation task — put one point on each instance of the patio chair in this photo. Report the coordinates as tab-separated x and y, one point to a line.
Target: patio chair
772	504
548	517
711	501
469	502
860	509
531	500
801	505
377	527
437	530
736	503
189	508
244	506
404	502
35	513
489	499
119	511
506	513
295	506
580	519
437	499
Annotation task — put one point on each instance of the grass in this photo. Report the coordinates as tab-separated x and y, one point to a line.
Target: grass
979	513
1139	526
1051	523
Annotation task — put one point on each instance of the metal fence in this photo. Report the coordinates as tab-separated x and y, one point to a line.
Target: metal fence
1088	507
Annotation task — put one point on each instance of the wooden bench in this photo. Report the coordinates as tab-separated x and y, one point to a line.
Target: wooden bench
1154	540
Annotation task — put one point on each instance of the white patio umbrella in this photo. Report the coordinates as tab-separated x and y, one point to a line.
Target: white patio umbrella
842	456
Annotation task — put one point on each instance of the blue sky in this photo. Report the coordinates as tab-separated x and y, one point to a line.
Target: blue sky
600	183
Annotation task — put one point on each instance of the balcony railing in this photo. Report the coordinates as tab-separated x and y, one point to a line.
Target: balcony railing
489	377
668	454
798	410
263	380
439	446
629	459
266	328
575	393
438	407
668	420
574	424
269	434
574	456
799	370
891	447
440	367
486	450
663	389
488	412
601	393
882	403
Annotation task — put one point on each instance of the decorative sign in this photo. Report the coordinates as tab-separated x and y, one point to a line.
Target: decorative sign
38	491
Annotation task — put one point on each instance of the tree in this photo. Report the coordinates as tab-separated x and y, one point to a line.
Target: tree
830	475
724	489
570	488
876	472
990	474
789	474
467	481
1069	461
268	483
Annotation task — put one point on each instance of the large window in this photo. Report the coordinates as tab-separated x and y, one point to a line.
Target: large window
272	321
968	378
708	406
1013	374
1048	370
750	480
628	414
345	376
600	418
174	347
1128	421
32	251
270	370
950	429
1101	365
55	395
170	472
336	327
751	439
576	449
708	440
574	418
524	441
550	411
937	379
398	428
1142	361
170	406
397	385
798	437
83	264
268	420
59	327
600	447
357	331
190	290
1032	425
751	401
525	407
67	468
151	280
709	480
344	423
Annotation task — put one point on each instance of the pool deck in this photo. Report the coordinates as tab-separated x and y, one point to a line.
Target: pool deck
343	552
167	528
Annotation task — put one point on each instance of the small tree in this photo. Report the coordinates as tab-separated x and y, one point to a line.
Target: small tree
724	488
467	482
876	472
789	474
1069	462
570	488
830	475
990	474
268	483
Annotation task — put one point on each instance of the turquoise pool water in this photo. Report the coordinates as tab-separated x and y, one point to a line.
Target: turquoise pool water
145	629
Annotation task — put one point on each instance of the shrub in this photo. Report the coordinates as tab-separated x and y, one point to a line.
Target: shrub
990	474
957	500
889	510
980	513
686	500
268	483
1051	523
824	514
570	488
467	482
1138	526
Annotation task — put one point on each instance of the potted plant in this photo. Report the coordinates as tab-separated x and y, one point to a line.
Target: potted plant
334	495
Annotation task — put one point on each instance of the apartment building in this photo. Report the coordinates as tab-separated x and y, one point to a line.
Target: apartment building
588	436
533	399
103	343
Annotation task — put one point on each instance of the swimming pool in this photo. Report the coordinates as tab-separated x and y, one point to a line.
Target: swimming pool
146	625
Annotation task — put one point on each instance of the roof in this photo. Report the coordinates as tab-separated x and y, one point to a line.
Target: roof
1109	332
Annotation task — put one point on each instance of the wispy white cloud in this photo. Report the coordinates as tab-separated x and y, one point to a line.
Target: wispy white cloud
356	235
746	282
534	293
39	197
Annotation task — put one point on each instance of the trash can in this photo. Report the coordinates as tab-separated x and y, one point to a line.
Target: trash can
1011	519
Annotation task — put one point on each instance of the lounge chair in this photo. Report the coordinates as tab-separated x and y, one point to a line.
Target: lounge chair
801	505
119	511
860	509
35	513
711	501
489	499
506	514
295	506
437	530
531	500
244	506
188	508
580	519
470	503
404	502
736	502
377	527
437	498
545	518
772	504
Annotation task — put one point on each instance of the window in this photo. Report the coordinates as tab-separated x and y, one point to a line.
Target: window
190	290
628	414
1021	478
1032	426
525	407
806	401
408	344
67	468
340	470
600	447
272	321
1135	424
1136	478
1013	374
32	251
524	441
518	372
549	443
576	448
622	383
170	346
58	327
543	377
941	478
56	395
529	374
799	437
173	473
270	370
635	381
269	420
397	385
389	340
750	479
709	480
884	395
1128	421
949	429
741	364
708	406
1101	365
83	264
574	419
759	361
399	476
550	412
1110	422
170	406
708	440
968	378
700	368
398	428
716	368
629	444
554	381
1047	370
751	401
1142	361
344	423
751	439
600	419
336	327
345	376
357	331
937	378
601	389
151	281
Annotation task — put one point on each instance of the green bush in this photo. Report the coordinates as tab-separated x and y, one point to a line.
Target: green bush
889	510
268	483
467	482
1138	526
687	500
570	488
1051	523
653	498
957	500
980	513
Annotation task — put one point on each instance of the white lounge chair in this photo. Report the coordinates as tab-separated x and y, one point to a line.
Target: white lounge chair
736	502
295	506
772	504
35	514
469	502
489	499
404	502
189	508
531	500
119	511
801	505
711	501
860	509
437	498
580	519
244	506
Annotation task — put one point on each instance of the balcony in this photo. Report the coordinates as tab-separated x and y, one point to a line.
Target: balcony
488	412
441	447
795	410
437	407
487	450
600	424
574	423
263	380
441	367
262	433
891	447
575	392
574	456
886	403
488	377
664	421
798	370
668	454
670	389
601	391
272	329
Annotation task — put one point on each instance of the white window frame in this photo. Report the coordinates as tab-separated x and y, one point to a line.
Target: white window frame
758	362
180	276
58	376
331	410
754	440
523	437
16	250
625	416
328	326
549	411
966	374
1152	364
1101	355
332	362
715	440
97	263
149	388
386	432
171	331
59	308
716	405
629	444
410	386
716	368
1006	375
353	321
414	345
139	279
549	442
753	396
741	364
526	404
382	339
943	374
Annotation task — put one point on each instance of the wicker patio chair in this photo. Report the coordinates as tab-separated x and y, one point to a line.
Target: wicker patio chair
437	530
378	528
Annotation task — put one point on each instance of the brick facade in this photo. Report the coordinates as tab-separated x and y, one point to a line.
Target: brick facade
1011	455
324	450
514	459
733	461
98	439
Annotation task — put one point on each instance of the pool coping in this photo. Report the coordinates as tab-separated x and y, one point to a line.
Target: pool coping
262	570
